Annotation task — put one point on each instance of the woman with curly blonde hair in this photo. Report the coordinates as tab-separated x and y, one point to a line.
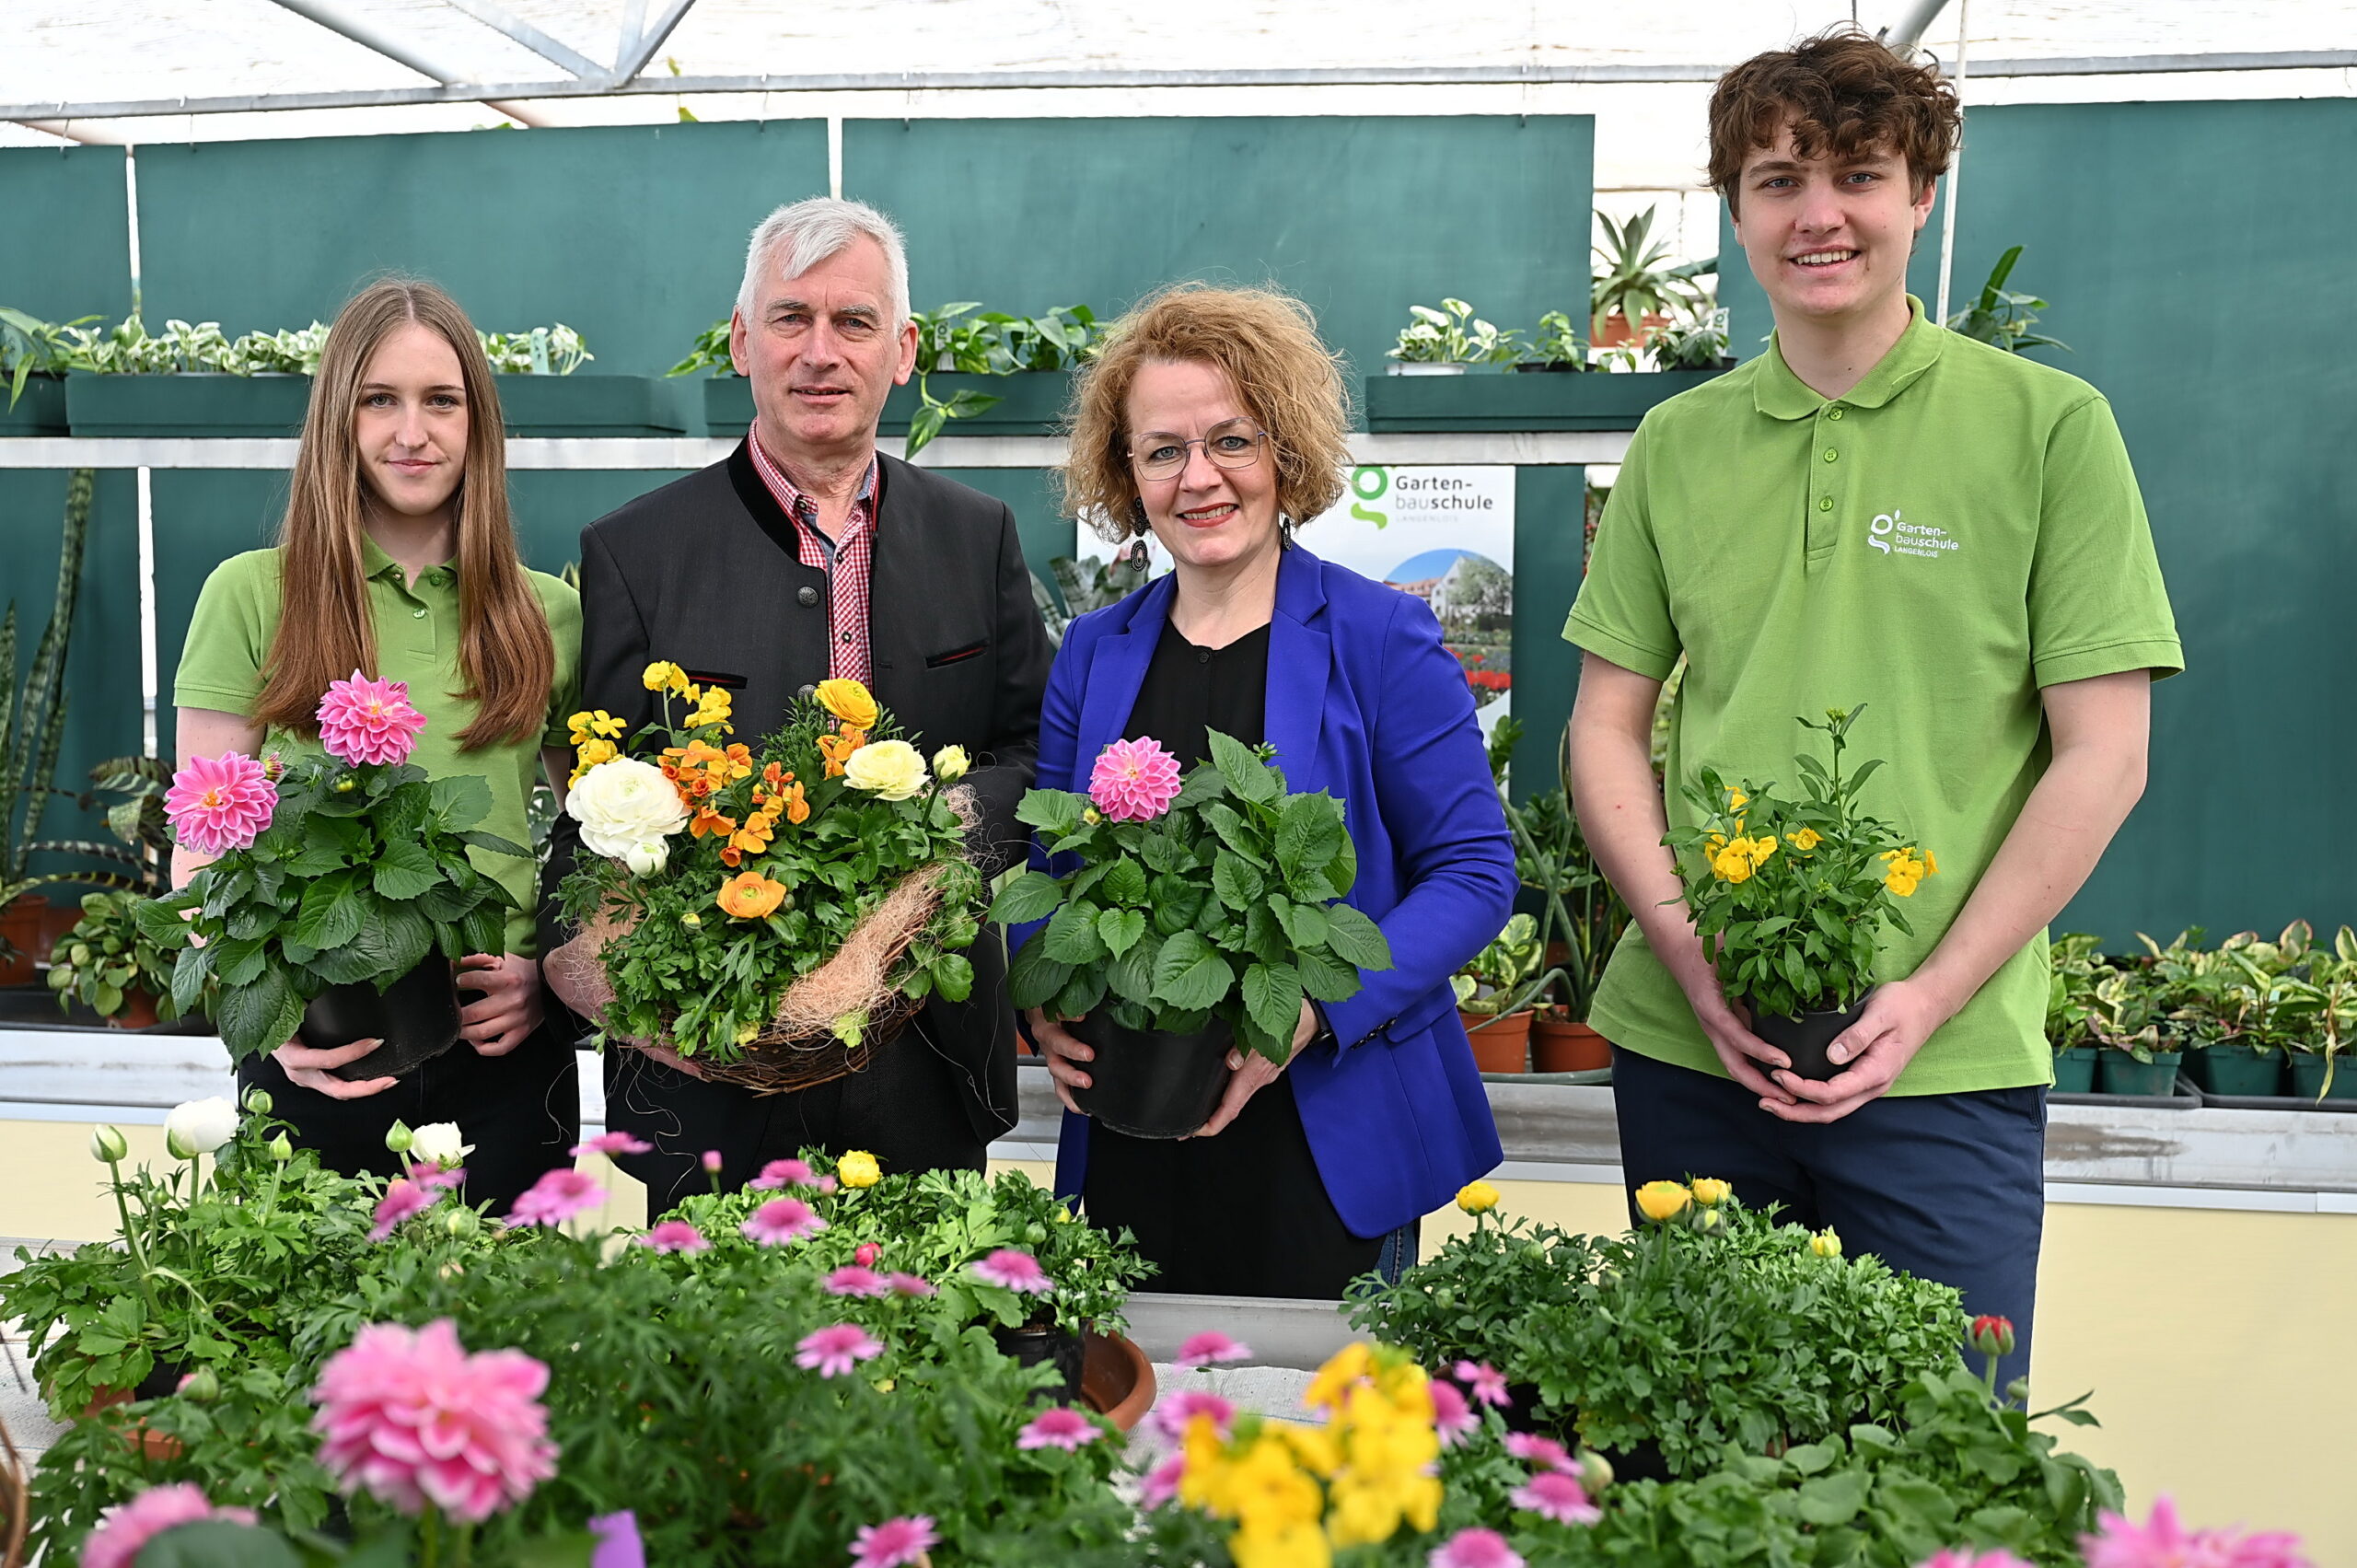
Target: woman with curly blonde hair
1217	422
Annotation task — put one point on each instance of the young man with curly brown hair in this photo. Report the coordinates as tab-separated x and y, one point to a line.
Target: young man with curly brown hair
1874	511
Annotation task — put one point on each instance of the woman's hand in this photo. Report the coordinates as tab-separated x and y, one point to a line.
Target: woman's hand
508	1008
309	1069
1063	1054
1250	1073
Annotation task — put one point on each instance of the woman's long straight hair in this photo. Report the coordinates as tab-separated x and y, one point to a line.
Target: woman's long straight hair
506	658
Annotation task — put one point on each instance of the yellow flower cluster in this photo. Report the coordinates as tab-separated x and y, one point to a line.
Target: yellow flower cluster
592	733
710	708
1906	869
1299	1493
665	676
1733	860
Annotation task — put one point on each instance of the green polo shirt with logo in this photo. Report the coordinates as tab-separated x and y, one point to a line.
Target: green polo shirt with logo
1956	532
417	641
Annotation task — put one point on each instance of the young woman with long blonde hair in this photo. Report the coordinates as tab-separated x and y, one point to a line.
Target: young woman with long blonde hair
398	558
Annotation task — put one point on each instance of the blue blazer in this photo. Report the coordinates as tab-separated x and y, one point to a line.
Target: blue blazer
1365	701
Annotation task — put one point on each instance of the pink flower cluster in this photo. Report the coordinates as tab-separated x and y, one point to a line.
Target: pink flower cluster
1475	1549
124	1530
1172	1414
408	1414
364	721
220	804
2162	1541
403	1199
612	1143
782	1220
1134	781
675	1235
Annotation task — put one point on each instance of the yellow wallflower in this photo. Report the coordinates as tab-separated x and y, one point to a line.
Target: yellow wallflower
1663	1200
1737	800
858	1168
848	701
1931	864
664	675
588	755
593	723
1806	840
1731	864
1904	887
712	707
1280	1546
1477	1197
1344	1367
1761	848
1710	1191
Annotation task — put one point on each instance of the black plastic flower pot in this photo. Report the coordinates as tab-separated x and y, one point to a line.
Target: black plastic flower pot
1148	1084
1805	1039
1036	1343
416	1016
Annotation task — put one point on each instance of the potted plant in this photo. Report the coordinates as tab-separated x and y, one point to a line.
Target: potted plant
2070	1002
1581	918
2002	319
1790	897
1522	402
33	355
108	965
1494	994
1631	292
343	896
2222	1010
32	729
722	881
2320	1016
2139	1053
1183	918
1443	341
1555	346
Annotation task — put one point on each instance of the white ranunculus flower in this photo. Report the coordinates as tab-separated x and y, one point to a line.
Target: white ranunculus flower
438	1142
648	856
893	770
200	1126
622	804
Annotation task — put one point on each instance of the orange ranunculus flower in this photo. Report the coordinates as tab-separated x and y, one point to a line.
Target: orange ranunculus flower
848	701
748	895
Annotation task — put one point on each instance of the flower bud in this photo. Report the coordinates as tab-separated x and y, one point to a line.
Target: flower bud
344	785
398	1137
1709	1222
176	1145
461	1222
1710	1191
202	1386
691	919
107	1144
1477	1197
951	763
866	1254
282	1148
712	1161
273	767
259	1102
1595	1470
1993	1335
1825	1242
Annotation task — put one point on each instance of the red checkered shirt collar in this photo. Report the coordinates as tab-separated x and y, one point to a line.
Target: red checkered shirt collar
848	656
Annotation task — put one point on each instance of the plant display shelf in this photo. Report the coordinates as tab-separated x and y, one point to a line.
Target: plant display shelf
1029	403
1484	399
578	406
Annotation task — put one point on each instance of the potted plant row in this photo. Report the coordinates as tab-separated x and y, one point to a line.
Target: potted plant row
1428	387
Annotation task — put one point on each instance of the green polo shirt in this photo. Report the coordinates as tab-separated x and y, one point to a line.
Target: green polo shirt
1958	531
417	641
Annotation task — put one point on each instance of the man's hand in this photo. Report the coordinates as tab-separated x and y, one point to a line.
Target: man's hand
1248	1073
309	1069
1747	1059
1065	1053
1898	1018
508	1007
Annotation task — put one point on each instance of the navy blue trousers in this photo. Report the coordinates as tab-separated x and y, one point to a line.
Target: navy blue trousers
1944	1186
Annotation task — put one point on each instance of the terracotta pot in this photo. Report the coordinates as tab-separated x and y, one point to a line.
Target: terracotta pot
21	927
1116	1378
138	1012
1500	1045
154	1445
1616	330
1559	1047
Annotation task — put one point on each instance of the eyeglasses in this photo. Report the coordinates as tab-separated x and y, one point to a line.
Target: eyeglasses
1232	443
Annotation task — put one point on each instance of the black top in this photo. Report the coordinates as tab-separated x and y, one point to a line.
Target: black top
1189	692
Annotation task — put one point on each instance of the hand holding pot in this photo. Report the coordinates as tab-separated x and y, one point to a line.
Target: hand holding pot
309	1069
1063	1054
1250	1073
1899	1016
508	1007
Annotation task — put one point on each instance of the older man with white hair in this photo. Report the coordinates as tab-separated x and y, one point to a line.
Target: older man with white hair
807	555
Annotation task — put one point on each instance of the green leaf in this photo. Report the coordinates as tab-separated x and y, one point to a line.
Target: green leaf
1309	833
493	844
953	976
1238	883
1324	980
218	1543
1272	998
1307	924
1834	1499
1033	978
460	800
1051	810
259	1018
191	970
1124	883
404	870
1191	973
1071	936
1120	929
1236	832
1035	895
1355	939
1244	773
1130	975
331	914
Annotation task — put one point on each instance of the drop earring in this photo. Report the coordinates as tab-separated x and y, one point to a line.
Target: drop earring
1138	528
1137	553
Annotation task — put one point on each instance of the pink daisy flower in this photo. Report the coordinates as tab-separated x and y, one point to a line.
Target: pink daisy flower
220	804
2162	1541
675	1235
1484	1382
1172	1414
1134	781
364	721
910	1284
1211	1345
783	1173
1533	1449
895	1543
1161	1483
854	1280
1553	1496
1452	1417
866	1254
782	1220
403	1199
610	1144
1010	1270
1955	1559
434	1178
125	1528
1474	1548
1058	1426
409	1416
555	1197
834	1351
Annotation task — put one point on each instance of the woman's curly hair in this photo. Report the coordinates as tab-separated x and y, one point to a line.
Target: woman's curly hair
1845	95
1266	344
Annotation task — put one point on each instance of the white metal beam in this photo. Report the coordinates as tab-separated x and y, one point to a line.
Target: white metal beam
1911	28
640	43
500	19
342	20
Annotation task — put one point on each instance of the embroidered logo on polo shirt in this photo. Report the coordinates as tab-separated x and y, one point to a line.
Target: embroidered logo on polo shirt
1891	533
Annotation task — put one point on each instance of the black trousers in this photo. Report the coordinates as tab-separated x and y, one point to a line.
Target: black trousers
521	1112
905	1109
1944	1186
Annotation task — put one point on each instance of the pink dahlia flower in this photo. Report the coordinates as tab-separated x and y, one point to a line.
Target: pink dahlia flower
555	1197
1484	1382
2162	1541
782	1220
219	803
1544	1452
783	1173
612	1143
675	1235
1134	781
1452	1417
1017	1271
369	721
403	1199
1553	1496
1161	1483
834	1351
855	1279
895	1543
1172	1414
1475	1549
1058	1426
1211	1345
910	1284
125	1528
409	1415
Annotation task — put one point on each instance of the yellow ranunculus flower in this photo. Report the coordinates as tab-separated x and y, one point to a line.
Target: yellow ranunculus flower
1477	1197
1825	1242
848	702
858	1168
1710	1191
891	770
1806	840
1663	1200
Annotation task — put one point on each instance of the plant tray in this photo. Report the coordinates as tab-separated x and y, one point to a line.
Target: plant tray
1587	400
1588	1076
274	405
2278	1102
592	406
2187	1097
41	411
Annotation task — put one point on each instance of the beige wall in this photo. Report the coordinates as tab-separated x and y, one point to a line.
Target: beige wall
2215	1341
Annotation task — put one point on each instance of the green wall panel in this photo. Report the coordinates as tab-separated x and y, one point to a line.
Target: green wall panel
68	253
2226	358
1550	516
1361	217
633	235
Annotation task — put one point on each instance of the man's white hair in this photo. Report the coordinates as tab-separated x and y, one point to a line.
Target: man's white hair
800	235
